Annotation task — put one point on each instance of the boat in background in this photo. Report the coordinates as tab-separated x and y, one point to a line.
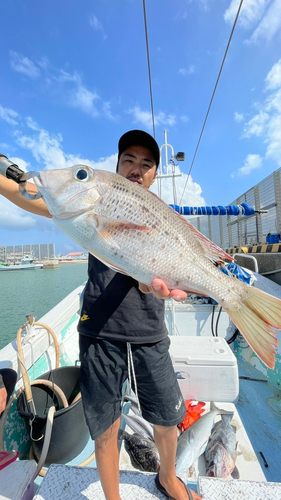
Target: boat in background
27	262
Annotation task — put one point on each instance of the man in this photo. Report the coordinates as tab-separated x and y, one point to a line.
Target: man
119	316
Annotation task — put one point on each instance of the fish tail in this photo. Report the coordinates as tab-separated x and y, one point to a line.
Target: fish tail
258	313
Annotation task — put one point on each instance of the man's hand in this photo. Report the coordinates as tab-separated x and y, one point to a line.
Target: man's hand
161	291
3	399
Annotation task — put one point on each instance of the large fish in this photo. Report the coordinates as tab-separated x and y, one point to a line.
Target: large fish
192	443
221	450
143	453
134	232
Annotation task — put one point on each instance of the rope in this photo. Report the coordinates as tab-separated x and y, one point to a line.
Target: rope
213	95
148	63
131	371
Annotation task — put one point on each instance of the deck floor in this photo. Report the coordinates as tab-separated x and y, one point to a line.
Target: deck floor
73	483
262	424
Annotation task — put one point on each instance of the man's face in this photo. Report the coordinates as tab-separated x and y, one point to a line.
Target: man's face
137	164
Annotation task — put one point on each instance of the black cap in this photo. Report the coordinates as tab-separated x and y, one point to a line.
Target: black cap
139	138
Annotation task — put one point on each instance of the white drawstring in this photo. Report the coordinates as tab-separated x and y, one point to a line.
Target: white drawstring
131	370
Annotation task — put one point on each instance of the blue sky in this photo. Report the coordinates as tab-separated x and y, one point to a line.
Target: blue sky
74	78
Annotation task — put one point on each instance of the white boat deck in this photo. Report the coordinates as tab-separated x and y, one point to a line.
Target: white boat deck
260	411
74	483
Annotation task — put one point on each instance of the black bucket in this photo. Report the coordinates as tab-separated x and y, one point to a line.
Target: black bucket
70	433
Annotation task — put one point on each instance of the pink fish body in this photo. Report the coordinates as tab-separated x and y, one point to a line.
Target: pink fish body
134	232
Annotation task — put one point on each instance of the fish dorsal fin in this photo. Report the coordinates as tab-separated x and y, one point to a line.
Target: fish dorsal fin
212	251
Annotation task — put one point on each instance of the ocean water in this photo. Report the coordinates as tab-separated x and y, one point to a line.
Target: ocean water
34	291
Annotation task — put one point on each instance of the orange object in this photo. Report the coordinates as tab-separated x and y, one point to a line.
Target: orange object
194	410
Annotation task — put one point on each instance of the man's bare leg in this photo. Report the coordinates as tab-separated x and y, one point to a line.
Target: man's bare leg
166	442
107	458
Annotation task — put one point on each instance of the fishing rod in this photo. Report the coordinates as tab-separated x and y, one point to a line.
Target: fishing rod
12	171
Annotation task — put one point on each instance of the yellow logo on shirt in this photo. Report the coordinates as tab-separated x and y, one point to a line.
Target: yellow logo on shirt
84	317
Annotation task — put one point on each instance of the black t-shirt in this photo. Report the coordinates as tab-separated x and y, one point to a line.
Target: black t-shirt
114	308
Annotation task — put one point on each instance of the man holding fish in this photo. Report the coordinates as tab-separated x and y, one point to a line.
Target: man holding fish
123	319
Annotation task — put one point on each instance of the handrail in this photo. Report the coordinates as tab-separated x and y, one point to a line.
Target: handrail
249	257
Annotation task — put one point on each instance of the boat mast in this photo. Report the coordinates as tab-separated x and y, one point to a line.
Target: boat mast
164	171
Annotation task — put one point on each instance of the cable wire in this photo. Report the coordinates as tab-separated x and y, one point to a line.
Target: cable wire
213	95
148	63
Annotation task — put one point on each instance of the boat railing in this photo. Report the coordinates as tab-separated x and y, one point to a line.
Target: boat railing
248	257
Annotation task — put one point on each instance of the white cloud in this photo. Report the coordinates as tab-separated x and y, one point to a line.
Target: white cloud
31	123
264	16
84	99
106	110
44	63
24	65
9	115
67	87
251	12
238	117
47	149
273	79
184	118
78	96
269	25
257	125
64	76
191	196
188	71
95	23
144	117
251	163
13	218
48	152
273	139
266	123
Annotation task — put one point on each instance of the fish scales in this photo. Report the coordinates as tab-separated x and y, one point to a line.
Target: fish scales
134	232
221	450
164	248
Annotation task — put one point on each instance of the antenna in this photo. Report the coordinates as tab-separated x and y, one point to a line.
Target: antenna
164	169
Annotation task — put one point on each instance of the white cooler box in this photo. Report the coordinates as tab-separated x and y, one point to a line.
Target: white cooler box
205	367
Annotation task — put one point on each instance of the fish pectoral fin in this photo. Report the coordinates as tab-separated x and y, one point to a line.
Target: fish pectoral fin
111	226
109	229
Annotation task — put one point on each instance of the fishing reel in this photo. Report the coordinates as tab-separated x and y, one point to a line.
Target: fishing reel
12	171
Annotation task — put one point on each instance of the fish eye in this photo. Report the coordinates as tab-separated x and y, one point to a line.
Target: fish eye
81	174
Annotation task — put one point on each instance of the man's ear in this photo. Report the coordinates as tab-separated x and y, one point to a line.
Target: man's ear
155	175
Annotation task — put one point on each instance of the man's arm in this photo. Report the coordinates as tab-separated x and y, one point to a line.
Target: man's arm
10	190
3	395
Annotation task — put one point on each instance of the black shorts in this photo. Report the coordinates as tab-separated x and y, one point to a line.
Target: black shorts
104	370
